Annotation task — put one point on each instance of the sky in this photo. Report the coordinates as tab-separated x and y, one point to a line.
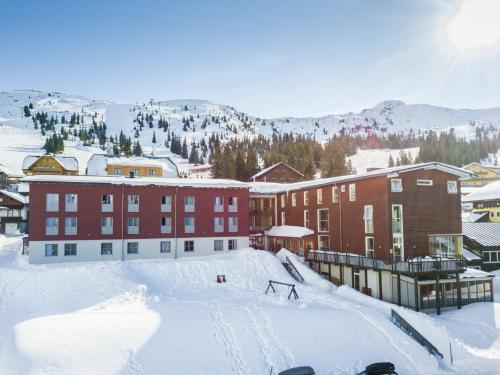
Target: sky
269	58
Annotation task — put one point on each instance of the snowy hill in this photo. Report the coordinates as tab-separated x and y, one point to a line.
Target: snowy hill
170	316
197	119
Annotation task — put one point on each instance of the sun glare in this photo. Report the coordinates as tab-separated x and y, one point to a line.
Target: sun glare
476	25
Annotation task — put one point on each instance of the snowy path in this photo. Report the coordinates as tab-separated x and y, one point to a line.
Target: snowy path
154	317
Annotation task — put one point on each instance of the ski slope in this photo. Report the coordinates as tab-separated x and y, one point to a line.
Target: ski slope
170	316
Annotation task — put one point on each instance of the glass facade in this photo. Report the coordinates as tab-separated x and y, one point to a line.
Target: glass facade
449	246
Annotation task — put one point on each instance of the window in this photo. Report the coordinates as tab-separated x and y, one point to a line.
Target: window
189	203
370	247
233	204
52	202
396	185
218	245
52	226
491	256
335	194
71	202
283	218
152	172
107	203
106	225
294	199
306	198
69	249
166	224
424	182
232	245
306	218
352	192
342	188
189	224
51	250
117	171
323	221
283	200
233	224
452	187
70	226
133	203
188	246
166	203
219	204
133	225
164	246
319	196
218	224
448	246
397	218
136	172
368	217
132	247
253	204
106	248
324	242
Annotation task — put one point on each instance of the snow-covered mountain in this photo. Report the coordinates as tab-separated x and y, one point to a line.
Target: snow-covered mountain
204	118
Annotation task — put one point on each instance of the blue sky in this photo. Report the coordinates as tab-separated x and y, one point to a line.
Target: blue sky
268	58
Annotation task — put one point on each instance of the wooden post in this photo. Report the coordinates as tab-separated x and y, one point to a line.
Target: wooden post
329	271
459	291
342	274
438	297
417	300
366	278
399	289
380	284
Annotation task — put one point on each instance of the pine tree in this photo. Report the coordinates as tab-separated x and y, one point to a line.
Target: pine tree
154	138
391	161
251	166
240	171
184	152
27	112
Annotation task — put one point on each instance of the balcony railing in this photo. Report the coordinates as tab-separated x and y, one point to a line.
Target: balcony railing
414	266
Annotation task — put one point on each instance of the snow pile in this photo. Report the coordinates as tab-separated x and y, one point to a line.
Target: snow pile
289	231
171	316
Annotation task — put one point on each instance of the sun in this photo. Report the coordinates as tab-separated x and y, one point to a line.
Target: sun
476	25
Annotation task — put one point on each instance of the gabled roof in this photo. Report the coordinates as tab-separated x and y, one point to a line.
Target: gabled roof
265	170
486	193
485	234
69	163
96	166
277	187
16	196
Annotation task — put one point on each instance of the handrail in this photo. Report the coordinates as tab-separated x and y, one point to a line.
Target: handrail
301	279
400	322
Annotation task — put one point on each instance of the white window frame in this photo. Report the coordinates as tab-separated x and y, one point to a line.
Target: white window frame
71	204
135	251
218	224
166	228
232	224
306	219
165	247
167	206
335	194
70	230
319	196
453	185
487	256
283	200
107	251
106	202
294	199
232	244
52	202
134	228
106	220
352	192
189	228
306	198
54	250
219	204
218	245
189	203
52	230
283	218
424	182
133	202
368	218
319	222
190	249
232	204
394	185
68	252
367	240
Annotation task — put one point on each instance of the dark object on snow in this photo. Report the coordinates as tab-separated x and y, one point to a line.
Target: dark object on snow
380	368
221	278
303	370
291	286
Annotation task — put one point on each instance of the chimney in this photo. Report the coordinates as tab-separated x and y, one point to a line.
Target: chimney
131	174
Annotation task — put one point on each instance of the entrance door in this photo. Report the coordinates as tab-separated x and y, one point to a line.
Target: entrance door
357	283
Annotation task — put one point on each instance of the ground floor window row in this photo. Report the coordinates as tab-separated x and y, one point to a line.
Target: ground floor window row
70	249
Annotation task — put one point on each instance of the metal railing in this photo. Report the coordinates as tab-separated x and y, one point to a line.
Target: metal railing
297	275
414	266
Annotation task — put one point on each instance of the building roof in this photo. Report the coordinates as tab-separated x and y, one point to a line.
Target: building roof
472	217
16	196
140	181
264	187
486	234
288	231
96	166
265	170
70	163
471	273
469	255
486	193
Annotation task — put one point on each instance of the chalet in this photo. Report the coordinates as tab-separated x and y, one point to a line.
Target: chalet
88	218
104	165
483	240
13	212
50	164
394	233
280	172
485	200
483	174
8	178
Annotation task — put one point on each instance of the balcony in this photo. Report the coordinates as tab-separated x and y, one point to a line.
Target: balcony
165	229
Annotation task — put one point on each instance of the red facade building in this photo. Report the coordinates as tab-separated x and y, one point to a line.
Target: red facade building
280	172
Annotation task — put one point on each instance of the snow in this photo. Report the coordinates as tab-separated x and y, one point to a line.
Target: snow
486	234
69	163
469	255
170	316
473	273
364	159
289	231
139	181
18	197
96	165
485	193
265	170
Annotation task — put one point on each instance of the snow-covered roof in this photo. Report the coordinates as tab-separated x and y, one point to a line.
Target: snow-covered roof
96	166
258	187
265	170
486	234
16	196
469	255
140	181
70	163
473	273
289	231
4	169
485	193
472	217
